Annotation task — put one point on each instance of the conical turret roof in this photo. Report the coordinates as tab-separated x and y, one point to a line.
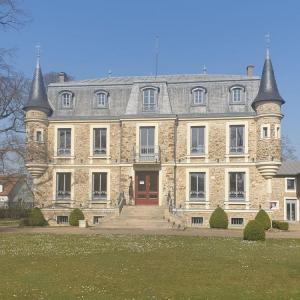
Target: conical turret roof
38	97
268	90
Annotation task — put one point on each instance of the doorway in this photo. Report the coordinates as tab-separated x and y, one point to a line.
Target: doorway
146	188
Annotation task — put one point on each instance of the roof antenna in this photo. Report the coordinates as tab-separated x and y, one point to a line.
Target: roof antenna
156	54
268	44
204	70
38	54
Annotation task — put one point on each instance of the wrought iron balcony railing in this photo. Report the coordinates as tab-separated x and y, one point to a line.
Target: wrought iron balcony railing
146	154
237	196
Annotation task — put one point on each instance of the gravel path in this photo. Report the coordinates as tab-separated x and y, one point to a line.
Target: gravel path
188	232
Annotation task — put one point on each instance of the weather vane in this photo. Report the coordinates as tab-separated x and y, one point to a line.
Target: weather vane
268	43
38	52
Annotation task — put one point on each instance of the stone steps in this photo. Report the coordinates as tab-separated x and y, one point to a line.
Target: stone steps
141	217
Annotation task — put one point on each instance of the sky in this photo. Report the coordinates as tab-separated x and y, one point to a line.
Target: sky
88	38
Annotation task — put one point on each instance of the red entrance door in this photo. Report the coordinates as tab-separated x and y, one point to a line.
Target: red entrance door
146	188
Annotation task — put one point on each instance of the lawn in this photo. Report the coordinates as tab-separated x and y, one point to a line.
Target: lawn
48	266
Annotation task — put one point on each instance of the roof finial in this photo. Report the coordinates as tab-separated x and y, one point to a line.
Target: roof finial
204	69
38	54
268	43
109	72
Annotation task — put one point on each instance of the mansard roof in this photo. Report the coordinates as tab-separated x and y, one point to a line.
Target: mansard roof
38	97
174	95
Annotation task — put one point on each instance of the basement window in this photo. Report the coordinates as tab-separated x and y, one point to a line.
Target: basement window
97	219
62	220
197	221
237	221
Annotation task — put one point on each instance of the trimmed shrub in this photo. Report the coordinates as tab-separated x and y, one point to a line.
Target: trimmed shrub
14	213
254	231
218	219
263	218
280	225
35	218
75	216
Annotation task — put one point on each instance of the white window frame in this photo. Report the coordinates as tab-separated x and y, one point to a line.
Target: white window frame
96	99
277	133
188	142
242	94
203	93
286	185
55	171
137	133
36	130
155	104
246	138
108	195
276	207
246	183
187	185
71	100
268	126
297	208
237	225
104	126
64	126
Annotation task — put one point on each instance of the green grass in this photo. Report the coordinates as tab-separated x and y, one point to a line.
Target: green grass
48	266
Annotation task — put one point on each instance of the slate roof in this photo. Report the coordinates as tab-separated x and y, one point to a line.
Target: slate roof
38	97
289	168
268	90
174	97
8	182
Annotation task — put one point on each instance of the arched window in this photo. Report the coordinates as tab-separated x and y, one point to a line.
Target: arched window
198	96
101	100
66	100
149	101
237	94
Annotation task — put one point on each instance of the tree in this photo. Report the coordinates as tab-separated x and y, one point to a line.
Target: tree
13	91
288	151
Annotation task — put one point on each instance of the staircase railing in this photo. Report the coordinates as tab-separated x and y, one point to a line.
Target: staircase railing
120	201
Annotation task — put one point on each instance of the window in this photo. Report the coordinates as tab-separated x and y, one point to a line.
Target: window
237	143
236	95
277	132
99	186
99	144
290	184
62	220
97	219
197	221
64	141
66	100
237	186
147	144
101	100
197	186
1	188
265	131
63	186
149	100
198	96
197	140
39	136
237	221
274	205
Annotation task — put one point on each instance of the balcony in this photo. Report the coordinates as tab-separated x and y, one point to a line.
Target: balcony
146	154
237	196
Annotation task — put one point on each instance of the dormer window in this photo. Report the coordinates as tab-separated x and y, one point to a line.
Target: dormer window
101	100
67	100
237	94
149	101
198	96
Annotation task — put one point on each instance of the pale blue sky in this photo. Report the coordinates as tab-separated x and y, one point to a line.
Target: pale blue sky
87	38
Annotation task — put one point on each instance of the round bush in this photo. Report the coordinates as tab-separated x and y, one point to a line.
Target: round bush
281	225
35	218
263	218
254	231
75	216
218	219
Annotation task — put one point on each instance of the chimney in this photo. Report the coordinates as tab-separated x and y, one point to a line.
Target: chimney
250	69
62	77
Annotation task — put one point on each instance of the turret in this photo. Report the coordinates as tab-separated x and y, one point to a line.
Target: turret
37	111
267	106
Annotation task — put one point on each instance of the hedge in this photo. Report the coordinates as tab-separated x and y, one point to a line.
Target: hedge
218	219
280	225
35	218
254	231
263	218
75	216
